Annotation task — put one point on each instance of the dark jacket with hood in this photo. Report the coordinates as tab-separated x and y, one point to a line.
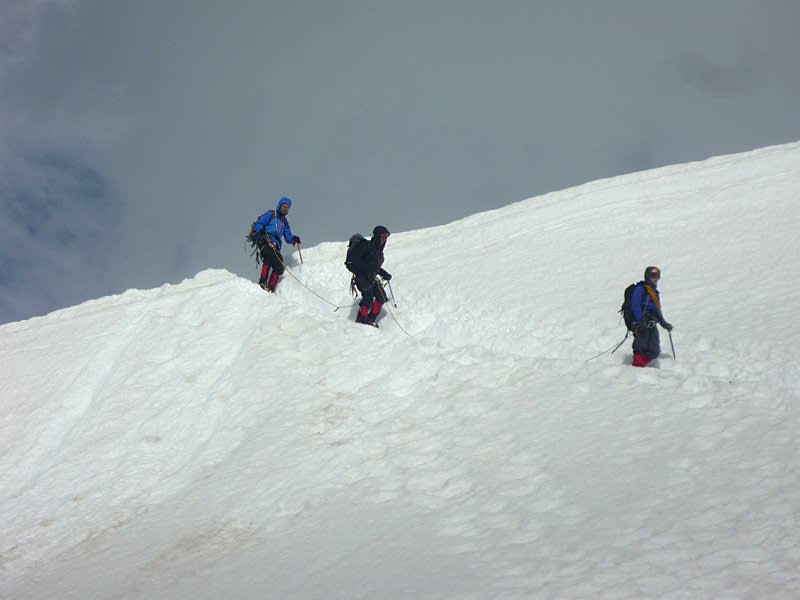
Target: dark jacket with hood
369	260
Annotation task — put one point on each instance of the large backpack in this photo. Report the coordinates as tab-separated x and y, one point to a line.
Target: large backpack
355	252
626	310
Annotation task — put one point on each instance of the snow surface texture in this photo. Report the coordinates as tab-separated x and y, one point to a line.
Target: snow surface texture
209	440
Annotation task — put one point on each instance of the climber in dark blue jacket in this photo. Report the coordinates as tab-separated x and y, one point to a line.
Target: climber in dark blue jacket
646	309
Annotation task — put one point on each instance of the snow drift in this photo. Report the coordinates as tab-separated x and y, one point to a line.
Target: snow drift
209	440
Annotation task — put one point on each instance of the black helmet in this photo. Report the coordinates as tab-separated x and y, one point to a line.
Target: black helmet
380	230
652	273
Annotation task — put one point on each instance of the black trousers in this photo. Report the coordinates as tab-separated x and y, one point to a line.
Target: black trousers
270	256
647	342
370	290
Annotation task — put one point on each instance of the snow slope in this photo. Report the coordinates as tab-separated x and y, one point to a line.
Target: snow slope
208	440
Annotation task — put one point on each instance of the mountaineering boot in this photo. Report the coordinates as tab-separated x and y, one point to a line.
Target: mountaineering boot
366	321
640	360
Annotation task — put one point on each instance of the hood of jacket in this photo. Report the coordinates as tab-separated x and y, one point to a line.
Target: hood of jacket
281	202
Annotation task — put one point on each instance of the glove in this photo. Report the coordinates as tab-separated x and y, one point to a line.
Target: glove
296	240
387	276
666	326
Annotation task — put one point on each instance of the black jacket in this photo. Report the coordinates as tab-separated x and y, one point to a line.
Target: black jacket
369	260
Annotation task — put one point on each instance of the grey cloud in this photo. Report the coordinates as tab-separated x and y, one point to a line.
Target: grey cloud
55	212
58	199
747	75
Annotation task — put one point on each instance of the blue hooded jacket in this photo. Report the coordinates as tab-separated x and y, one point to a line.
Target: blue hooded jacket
276	225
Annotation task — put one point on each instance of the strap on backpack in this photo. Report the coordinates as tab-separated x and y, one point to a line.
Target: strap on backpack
653	296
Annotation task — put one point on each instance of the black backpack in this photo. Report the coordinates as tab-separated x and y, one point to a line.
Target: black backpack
355	252
626	309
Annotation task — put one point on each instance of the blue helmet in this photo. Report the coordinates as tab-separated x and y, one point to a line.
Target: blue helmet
285	200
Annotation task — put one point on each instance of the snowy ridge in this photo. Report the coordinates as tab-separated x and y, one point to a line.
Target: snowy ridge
206	438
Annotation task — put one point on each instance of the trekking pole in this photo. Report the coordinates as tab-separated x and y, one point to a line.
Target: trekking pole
301	253
391	291
622	342
672	345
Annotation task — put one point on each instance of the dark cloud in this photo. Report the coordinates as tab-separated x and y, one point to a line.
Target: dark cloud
56	212
742	78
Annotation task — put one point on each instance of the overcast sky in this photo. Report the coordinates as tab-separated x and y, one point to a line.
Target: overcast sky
138	140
